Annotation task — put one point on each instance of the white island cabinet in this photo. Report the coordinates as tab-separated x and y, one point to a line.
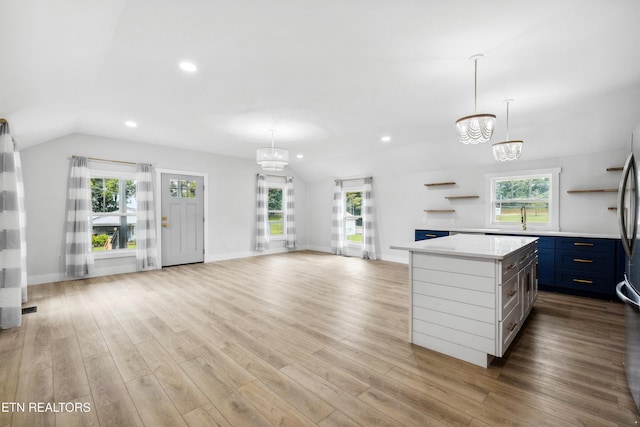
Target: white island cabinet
470	294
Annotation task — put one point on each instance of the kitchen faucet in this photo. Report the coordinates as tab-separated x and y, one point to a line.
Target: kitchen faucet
523	217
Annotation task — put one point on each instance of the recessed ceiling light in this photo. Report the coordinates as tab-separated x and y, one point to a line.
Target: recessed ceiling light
385	138
188	67
299	156
131	124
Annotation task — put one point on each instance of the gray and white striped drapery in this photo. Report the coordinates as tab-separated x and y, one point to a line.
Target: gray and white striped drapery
291	215
337	220
368	221
13	247
262	238
79	258
146	243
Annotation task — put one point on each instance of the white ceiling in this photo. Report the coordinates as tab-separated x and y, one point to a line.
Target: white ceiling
331	76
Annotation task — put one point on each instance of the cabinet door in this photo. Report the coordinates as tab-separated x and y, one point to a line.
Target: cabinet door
546	266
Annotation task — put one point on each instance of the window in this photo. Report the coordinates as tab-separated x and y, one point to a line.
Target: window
534	193
180	188
113	216
353	216
275	212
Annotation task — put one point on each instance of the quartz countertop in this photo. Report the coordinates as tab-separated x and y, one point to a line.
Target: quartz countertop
469	245
524	232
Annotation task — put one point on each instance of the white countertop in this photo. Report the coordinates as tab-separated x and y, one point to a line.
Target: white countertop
469	245
525	232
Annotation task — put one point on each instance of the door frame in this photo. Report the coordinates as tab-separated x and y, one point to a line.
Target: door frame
158	185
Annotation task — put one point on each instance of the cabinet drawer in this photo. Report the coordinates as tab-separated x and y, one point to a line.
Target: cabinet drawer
585	281
510	297
509	267
508	330
602	262
585	244
429	234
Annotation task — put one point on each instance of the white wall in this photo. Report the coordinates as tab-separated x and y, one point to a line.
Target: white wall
401	200
230	191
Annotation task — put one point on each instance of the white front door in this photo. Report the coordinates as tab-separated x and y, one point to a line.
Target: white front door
182	219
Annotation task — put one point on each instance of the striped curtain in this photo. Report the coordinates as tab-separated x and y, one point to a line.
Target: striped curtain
13	248
262	238
368	221
79	258
291	215
146	244
337	220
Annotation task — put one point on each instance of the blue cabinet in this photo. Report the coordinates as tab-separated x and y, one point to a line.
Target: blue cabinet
546	261
581	266
429	234
586	265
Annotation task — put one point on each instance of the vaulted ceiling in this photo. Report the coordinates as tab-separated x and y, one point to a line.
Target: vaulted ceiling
332	77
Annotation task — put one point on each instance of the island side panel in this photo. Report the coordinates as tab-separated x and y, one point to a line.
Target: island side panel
453	305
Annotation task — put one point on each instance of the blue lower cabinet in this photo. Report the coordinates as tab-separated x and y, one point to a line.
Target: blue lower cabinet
429	234
590	282
586	265
546	266
602	262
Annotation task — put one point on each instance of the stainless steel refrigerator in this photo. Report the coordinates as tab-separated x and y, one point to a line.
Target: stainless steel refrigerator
629	289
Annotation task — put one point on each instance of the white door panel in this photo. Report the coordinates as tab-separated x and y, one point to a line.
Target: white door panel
182	219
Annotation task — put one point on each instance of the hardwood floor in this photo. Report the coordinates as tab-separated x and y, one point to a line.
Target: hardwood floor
299	339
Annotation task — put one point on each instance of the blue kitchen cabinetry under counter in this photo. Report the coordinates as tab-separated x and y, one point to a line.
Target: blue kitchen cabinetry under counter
429	234
586	265
546	262
573	265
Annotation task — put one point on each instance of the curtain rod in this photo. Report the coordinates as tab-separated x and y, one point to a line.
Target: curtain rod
275	176
107	160
353	179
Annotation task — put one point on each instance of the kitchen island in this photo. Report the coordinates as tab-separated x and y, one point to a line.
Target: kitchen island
470	294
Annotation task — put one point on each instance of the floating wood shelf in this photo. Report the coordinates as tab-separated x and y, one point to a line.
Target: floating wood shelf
435	184
600	190
616	169
439	210
461	197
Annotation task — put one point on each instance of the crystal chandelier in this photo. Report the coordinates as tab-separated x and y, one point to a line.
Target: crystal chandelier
475	128
272	158
509	149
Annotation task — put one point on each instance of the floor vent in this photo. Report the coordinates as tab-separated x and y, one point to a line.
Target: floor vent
28	310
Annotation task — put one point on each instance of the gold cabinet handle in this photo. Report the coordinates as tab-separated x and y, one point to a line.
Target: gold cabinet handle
430	235
512	293
515	325
582	244
164	224
511	267
588	282
588	261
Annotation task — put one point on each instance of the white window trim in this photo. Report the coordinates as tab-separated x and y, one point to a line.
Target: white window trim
283	187
122	175
554	199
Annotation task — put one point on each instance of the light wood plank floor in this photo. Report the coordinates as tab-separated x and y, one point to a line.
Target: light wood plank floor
299	339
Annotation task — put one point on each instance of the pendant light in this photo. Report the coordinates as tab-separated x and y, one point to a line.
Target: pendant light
272	158
476	128
509	149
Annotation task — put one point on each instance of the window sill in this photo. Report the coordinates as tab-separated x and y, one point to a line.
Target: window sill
122	253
